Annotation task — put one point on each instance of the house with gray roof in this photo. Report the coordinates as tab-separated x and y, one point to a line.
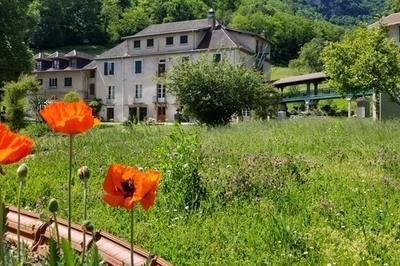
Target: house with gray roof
127	74
60	73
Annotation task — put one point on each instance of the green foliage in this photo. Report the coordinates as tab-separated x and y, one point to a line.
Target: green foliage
96	106
53	257
364	60
394	6
287	33
37	103
213	92
181	166
15	99
310	56
72	96
69	256
15	57
335	205
266	102
132	21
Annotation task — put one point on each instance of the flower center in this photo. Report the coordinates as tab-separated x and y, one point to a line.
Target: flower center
128	188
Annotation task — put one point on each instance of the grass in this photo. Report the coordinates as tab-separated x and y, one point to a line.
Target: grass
284	72
303	191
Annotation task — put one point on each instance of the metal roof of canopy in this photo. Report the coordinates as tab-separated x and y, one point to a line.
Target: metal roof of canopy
303	79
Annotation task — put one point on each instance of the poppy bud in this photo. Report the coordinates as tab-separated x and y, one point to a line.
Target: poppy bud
88	226
84	173
22	172
53	205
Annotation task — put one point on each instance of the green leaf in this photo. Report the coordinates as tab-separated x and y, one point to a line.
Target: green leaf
70	258
53	258
94	257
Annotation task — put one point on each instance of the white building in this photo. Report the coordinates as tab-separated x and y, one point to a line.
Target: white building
128	75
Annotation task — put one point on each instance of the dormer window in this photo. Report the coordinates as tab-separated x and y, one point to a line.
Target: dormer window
39	65
74	63
56	64
169	40
136	44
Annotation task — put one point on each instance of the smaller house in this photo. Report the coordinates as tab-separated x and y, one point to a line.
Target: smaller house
61	73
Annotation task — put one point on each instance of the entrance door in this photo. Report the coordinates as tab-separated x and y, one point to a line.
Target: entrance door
142	113
110	114
161	113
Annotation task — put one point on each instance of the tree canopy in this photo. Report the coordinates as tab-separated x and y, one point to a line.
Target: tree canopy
212	92
365	60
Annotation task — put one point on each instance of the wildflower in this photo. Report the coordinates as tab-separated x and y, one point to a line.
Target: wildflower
84	173
13	147
22	172
69	118
124	186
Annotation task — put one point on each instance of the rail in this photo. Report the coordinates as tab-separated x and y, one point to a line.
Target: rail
36	233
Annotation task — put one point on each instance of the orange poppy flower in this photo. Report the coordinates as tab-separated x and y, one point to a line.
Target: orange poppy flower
13	147
69	118
124	186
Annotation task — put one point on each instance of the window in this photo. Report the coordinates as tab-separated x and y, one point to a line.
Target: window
150	43
53	83
217	58
139	91
40	81
138	66
185	58
161	91
169	40
92	73
136	44
92	89
111	92
39	65
74	63
184	39
108	68
246	113
67	82
56	64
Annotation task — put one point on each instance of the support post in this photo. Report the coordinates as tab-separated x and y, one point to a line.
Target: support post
349	107
308	89
316	88
374	107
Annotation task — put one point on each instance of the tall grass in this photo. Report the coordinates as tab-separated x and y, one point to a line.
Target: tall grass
306	191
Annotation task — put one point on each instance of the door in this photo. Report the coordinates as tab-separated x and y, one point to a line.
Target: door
161	113
161	69
110	114
142	113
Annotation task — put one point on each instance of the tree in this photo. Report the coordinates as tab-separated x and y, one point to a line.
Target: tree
266	102
15	99
310	56
394	6
15	57
132	21
365	60
213	92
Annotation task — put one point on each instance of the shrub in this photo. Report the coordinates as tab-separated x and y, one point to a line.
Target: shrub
71	96
15	99
213	92
181	164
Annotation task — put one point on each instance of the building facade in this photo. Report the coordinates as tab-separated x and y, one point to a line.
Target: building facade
129	77
61	73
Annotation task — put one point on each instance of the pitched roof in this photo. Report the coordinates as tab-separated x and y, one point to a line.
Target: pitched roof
91	65
390	20
75	53
172	27
56	54
41	56
120	50
294	80
217	39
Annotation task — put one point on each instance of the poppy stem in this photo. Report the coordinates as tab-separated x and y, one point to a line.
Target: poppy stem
132	249
84	218
2	225
19	221
56	225
71	138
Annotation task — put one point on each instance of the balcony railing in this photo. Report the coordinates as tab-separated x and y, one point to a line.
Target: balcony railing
157	99
110	101
138	100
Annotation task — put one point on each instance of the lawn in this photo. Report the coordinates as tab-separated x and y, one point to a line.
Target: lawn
302	191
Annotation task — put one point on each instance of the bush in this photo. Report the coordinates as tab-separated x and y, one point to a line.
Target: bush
181	164
15	99
72	96
213	92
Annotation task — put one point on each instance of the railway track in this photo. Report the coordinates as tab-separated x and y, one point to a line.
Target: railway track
35	234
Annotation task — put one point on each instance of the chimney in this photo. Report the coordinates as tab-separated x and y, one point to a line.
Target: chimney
211	19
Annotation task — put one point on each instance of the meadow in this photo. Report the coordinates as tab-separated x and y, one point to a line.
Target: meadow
301	191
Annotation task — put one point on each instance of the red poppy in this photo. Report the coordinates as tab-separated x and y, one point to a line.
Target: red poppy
69	118
13	147
124	186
